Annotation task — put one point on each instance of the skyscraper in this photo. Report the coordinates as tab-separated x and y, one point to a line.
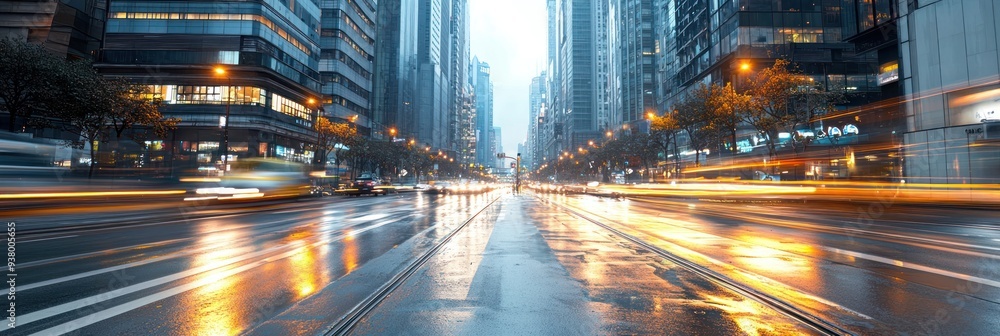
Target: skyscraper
634	61
496	147
484	113
347	39
577	83
461	129
433	89
257	61
949	74
395	76
536	103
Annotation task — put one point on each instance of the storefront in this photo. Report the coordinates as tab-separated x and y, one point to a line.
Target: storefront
967	149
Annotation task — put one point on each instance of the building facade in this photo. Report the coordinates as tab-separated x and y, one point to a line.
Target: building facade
950	73
537	98
347	42
577	86
461	131
70	29
484	114
395	75
635	60
255	61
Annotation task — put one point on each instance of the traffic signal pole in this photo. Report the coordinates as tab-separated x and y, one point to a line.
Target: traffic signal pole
517	170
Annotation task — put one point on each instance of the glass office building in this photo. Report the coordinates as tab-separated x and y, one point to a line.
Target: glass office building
950	75
258	60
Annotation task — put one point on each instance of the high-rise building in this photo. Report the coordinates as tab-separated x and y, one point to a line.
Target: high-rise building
665	50
70	29
395	77
576	75
732	41
549	132
603	106
347	42
484	113
254	61
433	88
871	26
949	76
496	146
536	103
634	61
460	126
421	81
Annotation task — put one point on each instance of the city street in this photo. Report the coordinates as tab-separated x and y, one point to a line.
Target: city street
499	263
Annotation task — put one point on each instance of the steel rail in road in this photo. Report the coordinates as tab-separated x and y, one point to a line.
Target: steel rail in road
814	322
350	320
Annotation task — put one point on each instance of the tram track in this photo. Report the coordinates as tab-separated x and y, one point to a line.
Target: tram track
814	322
355	315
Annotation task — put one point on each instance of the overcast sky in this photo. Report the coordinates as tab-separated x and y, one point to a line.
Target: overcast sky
510	35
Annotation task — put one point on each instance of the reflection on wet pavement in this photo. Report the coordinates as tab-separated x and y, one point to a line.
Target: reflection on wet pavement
637	292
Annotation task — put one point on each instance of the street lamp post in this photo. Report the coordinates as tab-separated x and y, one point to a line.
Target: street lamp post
225	122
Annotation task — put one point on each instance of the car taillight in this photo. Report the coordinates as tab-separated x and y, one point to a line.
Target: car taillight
370	184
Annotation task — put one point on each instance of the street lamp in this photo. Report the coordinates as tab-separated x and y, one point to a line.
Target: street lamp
225	122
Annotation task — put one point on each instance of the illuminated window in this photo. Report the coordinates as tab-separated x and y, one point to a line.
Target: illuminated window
217	17
289	107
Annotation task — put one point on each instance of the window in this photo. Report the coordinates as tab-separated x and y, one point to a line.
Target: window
289	107
218	17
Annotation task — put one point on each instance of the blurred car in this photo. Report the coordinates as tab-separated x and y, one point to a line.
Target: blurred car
255	178
26	158
365	185
440	187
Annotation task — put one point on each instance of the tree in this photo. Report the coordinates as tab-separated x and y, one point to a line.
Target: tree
93	107
130	108
781	98
27	78
663	131
695	115
334	138
728	105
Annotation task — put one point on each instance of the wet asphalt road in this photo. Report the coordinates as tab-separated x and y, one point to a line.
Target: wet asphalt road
525	265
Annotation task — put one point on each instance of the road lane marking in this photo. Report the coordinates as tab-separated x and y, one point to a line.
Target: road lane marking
371	217
101	252
41	239
128	306
77	304
917	267
131	305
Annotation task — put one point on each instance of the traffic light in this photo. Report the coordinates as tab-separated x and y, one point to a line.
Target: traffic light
501	155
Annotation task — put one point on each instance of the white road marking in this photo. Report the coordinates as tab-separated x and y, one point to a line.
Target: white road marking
35	240
371	217
89	254
917	267
123	308
104	314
